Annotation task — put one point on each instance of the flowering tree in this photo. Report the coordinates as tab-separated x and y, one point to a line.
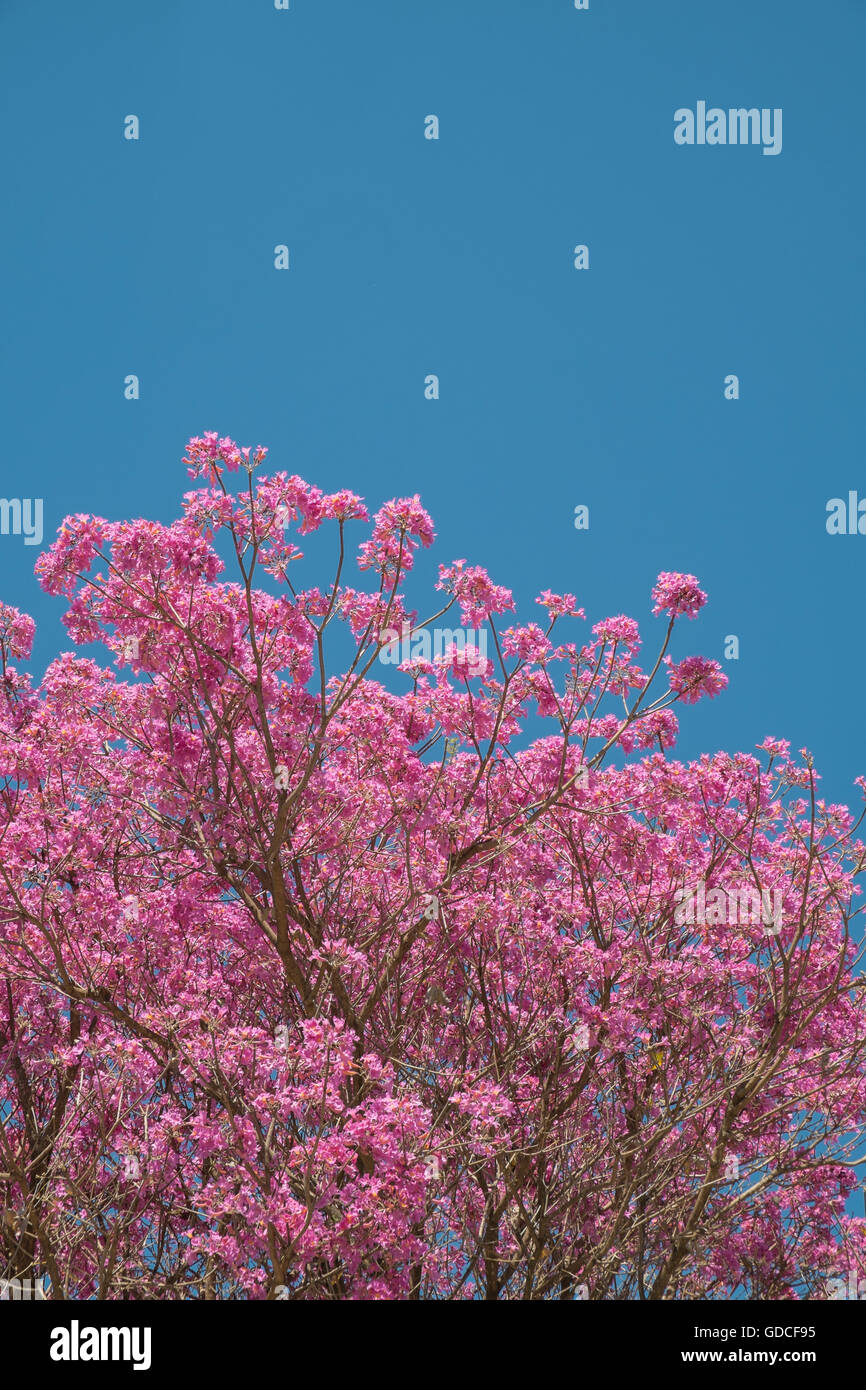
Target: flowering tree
312	988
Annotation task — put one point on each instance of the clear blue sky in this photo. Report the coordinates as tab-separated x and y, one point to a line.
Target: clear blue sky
412	256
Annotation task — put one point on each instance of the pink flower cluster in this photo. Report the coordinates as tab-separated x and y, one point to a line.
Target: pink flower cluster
207	455
678	594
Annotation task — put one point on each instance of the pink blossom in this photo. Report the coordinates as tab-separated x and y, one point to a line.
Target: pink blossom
695	676
678	593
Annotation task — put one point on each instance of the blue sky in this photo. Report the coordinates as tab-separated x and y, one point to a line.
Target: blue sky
412	256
